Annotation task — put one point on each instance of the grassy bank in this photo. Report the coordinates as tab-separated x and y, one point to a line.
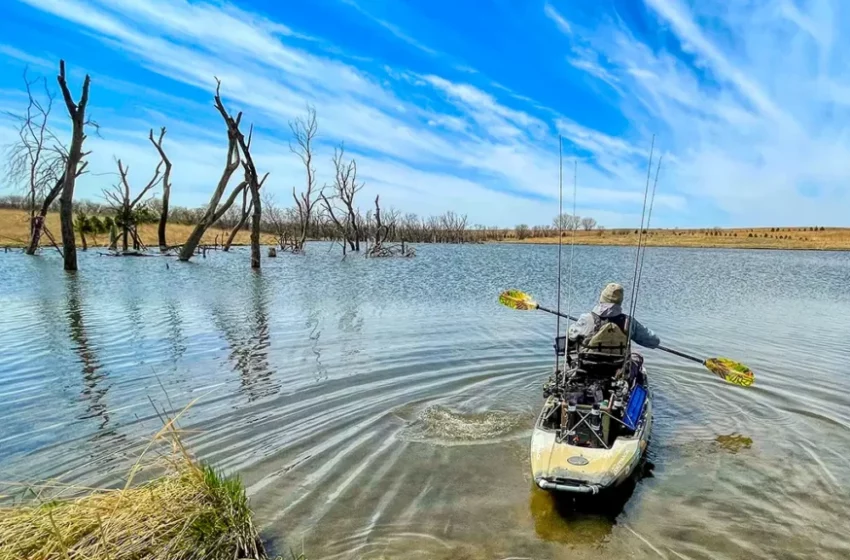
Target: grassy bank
744	238
185	511
14	232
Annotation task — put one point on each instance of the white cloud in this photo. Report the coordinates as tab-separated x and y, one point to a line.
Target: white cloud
392	28
754	110
17	54
559	20
500	151
741	115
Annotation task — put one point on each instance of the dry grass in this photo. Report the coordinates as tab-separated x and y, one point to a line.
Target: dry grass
14	232
745	238
190	512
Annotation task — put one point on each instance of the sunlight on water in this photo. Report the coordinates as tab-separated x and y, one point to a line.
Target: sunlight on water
382	408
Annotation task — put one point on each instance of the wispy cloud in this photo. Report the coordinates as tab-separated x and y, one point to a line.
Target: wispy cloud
588	60
498	153
750	118
19	55
750	104
559	20
392	28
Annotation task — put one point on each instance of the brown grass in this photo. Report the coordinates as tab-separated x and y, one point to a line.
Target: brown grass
762	238
191	512
14	232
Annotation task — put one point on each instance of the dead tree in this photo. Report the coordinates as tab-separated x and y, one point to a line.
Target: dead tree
588	223
304	131
247	210
216	209
127	208
240	222
252	179
345	188
166	188
77	112
383	227
283	223
37	158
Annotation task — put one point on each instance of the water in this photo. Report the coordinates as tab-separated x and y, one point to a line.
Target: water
382	408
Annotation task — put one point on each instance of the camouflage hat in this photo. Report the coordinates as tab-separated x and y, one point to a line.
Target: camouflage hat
613	293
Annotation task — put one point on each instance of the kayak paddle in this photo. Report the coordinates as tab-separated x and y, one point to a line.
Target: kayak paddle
728	370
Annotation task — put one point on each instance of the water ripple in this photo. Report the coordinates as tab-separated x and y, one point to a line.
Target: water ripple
382	408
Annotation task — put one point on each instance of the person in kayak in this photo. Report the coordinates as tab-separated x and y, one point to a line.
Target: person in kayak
600	339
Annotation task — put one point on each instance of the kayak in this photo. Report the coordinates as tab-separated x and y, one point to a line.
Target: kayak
592	432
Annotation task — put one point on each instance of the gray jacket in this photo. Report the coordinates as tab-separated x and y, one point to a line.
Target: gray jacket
584	326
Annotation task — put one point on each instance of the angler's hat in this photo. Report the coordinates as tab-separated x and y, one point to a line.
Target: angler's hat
613	293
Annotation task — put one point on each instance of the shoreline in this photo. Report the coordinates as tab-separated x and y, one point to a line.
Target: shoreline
741	246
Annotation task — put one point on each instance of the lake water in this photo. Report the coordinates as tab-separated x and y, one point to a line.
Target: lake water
382	408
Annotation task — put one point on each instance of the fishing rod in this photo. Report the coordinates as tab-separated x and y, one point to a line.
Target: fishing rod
633	301
728	370
643	256
574	225
560	237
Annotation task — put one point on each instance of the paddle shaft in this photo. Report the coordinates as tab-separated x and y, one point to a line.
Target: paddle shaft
553	312
682	354
659	347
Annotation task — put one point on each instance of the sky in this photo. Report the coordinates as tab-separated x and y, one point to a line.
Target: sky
459	105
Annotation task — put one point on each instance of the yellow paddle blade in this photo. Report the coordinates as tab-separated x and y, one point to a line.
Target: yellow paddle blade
517	300
731	371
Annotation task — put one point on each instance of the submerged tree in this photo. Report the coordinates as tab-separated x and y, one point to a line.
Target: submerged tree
166	188
77	112
252	179
236	144
129	212
384	228
345	188
240	221
216	209
304	131
36	160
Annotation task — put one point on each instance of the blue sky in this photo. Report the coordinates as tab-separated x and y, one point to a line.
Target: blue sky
458	105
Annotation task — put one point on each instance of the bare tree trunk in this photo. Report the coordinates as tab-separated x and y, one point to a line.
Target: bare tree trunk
166	189
252	180
77	113
242	221
304	131
193	240
83	239
38	221
163	220
214	213
256	220
377	222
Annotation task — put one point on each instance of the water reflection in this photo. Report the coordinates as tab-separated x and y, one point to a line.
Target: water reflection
579	519
176	339
313	324
94	392
249	341
364	347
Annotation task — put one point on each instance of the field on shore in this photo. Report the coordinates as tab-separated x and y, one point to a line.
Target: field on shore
744	238
14	232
